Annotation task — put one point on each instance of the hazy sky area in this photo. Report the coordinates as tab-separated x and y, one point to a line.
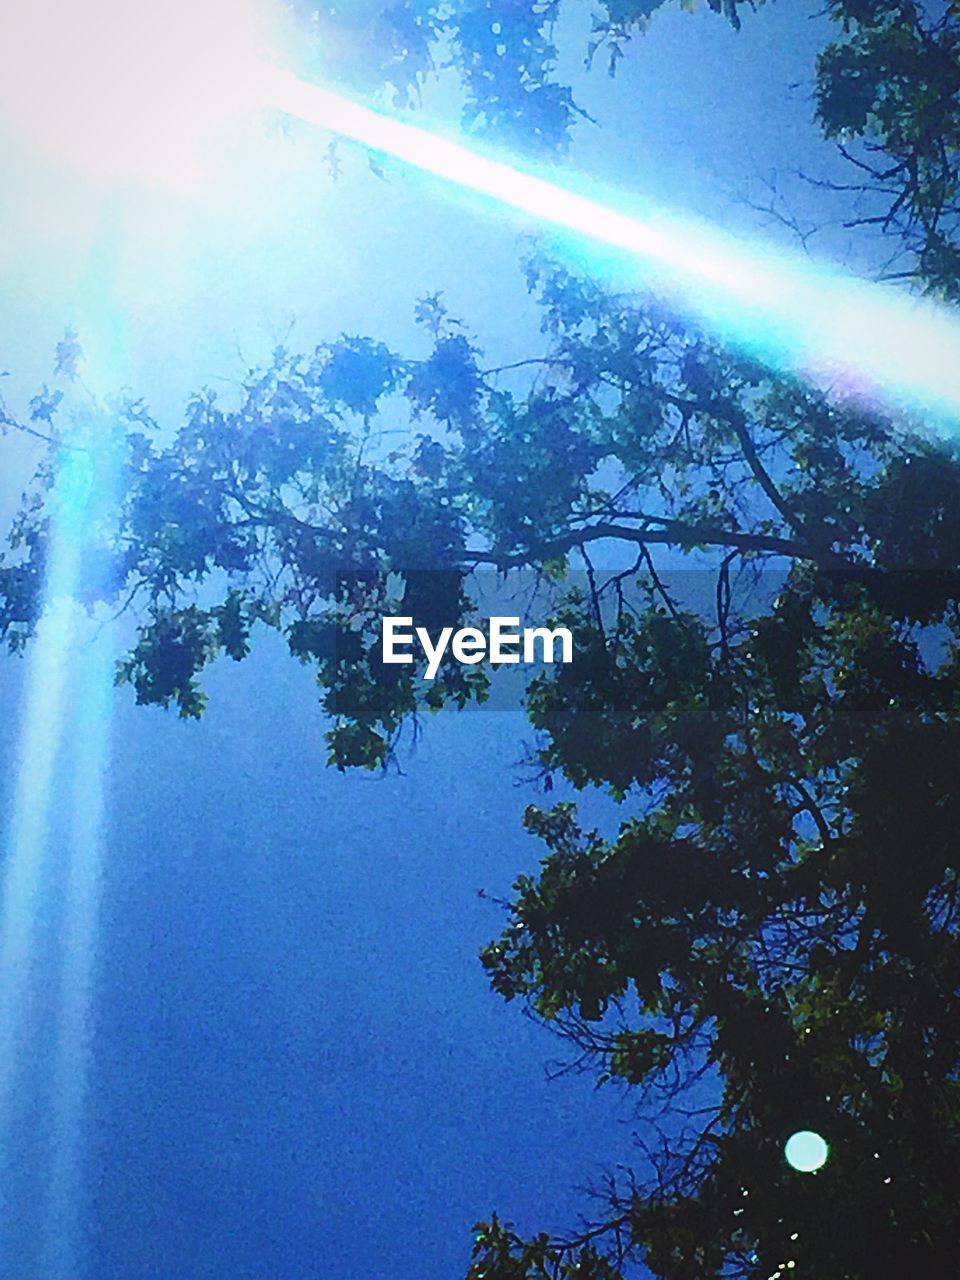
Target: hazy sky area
297	1067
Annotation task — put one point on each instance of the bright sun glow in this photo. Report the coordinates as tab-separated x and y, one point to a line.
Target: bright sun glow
132	91
128	90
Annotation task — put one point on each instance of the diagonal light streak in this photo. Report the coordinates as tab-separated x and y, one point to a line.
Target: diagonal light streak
793	313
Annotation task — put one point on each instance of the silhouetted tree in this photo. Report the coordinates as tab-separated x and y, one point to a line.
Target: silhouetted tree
770	941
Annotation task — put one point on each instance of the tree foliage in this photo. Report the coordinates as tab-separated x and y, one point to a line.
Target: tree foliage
769	942
887	90
503	52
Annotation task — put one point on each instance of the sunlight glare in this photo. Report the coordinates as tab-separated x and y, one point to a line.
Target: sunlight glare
128	91
792	313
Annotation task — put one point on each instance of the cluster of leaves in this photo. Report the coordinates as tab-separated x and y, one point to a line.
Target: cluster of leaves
499	1252
293	508
502	51
889	91
784	911
618	21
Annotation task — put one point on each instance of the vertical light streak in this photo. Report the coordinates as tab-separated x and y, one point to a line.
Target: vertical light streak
87	479
26	893
62	765
40	741
65	732
90	733
86	751
42	712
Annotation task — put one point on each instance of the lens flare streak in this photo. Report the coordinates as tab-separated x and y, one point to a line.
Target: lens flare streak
19	907
793	313
90	731
52	864
51	876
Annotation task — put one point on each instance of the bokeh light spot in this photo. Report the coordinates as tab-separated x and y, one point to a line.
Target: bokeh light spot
806	1151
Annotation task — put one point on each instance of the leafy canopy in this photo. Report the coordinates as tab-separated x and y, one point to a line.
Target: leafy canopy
503	52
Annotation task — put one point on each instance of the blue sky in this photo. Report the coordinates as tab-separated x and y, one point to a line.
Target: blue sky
297	1067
